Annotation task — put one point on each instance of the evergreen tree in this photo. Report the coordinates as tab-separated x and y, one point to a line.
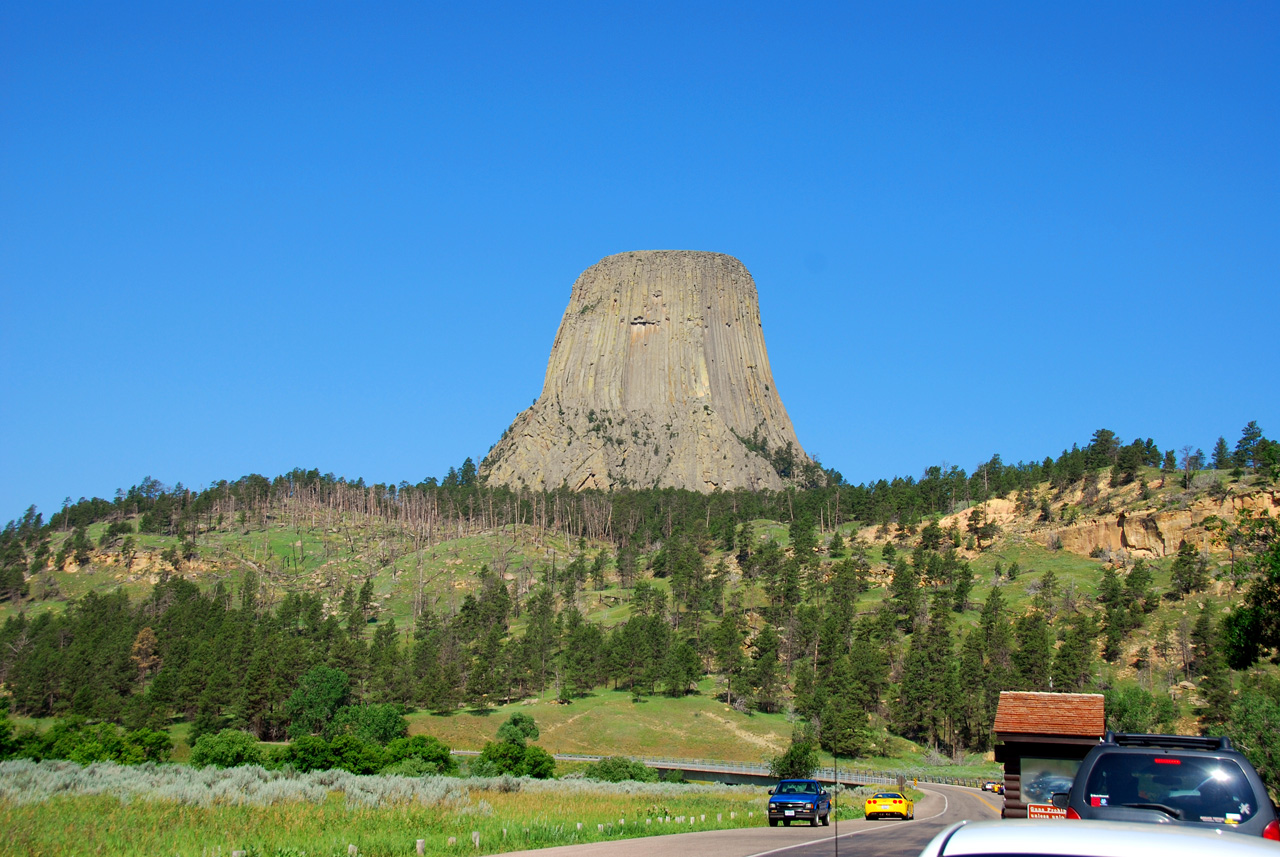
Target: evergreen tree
1138	595
1073	661
1214	676
1189	572
963	583
905	595
1222	457
926	697
845	726
730	659
485	670
1032	658
1128	462
681	669
765	677
804	539
975	723
1103	449
1247	446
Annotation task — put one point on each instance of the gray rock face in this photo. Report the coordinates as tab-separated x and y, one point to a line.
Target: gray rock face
657	374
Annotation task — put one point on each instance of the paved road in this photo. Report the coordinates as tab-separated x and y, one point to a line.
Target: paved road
941	806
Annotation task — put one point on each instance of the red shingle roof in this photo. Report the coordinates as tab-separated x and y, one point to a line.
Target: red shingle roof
1031	713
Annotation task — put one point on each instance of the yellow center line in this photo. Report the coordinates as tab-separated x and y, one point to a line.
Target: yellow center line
988	803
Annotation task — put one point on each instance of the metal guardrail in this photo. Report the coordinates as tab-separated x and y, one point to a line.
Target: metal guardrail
848	776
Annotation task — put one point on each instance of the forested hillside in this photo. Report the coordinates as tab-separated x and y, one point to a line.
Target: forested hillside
901	607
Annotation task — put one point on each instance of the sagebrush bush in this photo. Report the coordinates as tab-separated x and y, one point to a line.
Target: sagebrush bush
23	782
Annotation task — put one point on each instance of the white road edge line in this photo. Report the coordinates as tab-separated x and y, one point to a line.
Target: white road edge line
945	804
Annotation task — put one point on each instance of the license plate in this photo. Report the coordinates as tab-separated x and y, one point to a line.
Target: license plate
789	812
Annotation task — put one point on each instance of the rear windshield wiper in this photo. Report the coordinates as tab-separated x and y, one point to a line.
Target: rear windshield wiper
1167	810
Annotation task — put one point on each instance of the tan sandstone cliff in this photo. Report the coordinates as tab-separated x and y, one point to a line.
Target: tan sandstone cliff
659	367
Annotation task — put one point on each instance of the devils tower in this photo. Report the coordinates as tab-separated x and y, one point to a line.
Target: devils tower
658	377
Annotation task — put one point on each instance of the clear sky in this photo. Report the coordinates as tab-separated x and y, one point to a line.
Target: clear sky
247	237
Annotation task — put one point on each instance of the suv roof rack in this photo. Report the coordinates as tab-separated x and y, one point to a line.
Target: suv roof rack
1189	742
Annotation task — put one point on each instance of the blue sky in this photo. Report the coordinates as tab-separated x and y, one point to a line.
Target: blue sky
242	238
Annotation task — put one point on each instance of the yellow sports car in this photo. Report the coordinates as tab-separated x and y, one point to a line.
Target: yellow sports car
889	803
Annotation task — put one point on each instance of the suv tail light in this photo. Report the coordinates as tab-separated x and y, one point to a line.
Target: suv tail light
1272	831
1071	813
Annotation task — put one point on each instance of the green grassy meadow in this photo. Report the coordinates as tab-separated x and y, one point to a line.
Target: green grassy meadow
504	821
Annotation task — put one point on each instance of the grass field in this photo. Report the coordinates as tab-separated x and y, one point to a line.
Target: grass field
608	722
62	809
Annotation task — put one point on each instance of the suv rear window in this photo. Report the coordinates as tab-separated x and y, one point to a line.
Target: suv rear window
1190	788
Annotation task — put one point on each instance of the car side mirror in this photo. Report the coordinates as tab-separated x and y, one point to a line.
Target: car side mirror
1059	799
770	791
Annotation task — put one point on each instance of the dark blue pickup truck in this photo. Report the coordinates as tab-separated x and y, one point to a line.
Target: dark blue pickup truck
799	800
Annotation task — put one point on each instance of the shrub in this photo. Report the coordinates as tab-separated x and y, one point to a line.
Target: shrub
538	763
77	740
146	745
615	769
427	750
505	757
9	742
410	767
226	749
352	754
309	753
518	729
500	757
1130	708
26	782
376	724
800	759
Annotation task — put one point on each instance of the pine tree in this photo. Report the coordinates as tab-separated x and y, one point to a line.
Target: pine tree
1189	572
926	696
1031	660
844	722
765	678
803	539
1222	457
975	724
731	661
1214	676
1073	661
905	595
1247	446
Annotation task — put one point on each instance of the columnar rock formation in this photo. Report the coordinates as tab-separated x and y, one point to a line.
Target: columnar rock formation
658	377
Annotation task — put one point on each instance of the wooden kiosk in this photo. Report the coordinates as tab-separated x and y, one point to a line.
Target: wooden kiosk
1041	738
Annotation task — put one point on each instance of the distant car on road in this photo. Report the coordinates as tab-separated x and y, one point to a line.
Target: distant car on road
889	803
799	800
1180	780
1053	838
993	786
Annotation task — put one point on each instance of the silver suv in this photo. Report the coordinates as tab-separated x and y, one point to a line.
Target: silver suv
1173	779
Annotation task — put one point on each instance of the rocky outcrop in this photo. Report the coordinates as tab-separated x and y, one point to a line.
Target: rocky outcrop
1157	533
658	377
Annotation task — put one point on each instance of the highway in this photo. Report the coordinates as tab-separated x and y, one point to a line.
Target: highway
941	806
